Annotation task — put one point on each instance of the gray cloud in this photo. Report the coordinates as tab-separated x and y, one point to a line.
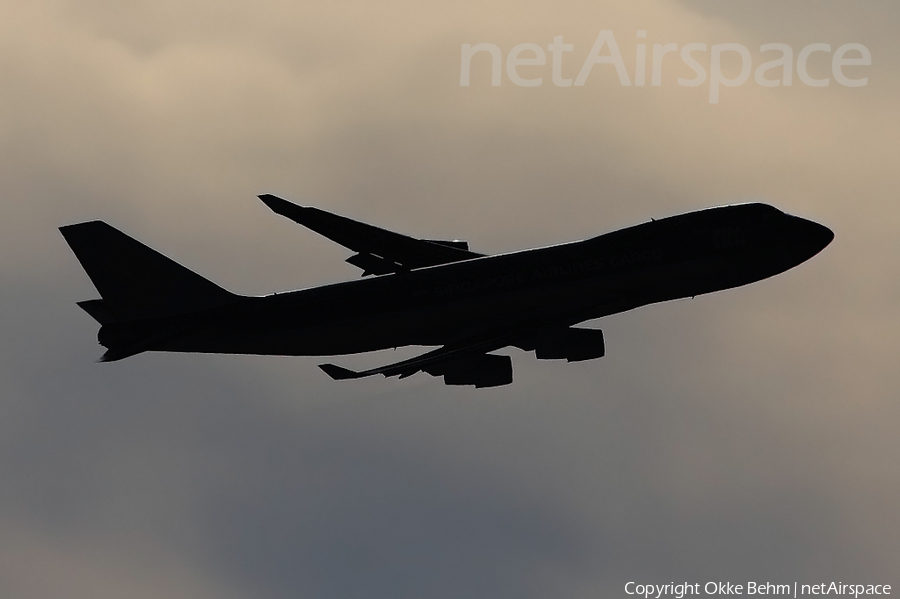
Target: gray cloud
745	435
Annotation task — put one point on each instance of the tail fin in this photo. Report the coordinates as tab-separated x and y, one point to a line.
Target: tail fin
135	281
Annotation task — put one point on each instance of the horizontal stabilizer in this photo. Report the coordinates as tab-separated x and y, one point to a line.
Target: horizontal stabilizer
115	354
98	310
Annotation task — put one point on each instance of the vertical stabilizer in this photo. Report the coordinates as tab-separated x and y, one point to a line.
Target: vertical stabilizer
135	281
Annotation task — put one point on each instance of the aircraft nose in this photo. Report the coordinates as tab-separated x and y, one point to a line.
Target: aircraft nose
812	235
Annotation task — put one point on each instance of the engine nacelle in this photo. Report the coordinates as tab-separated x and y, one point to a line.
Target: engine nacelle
570	344
480	370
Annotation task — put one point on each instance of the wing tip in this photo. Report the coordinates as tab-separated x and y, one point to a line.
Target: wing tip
73	232
277	204
272	201
339	373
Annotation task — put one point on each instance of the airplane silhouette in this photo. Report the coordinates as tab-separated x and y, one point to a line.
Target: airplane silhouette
435	293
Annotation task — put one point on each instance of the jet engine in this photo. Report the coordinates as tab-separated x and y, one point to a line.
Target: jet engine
570	344
480	370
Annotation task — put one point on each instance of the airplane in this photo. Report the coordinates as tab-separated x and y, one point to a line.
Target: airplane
424	292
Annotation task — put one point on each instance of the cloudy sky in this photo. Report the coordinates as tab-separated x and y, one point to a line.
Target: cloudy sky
746	435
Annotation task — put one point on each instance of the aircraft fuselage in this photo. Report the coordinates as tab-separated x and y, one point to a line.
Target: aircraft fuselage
666	259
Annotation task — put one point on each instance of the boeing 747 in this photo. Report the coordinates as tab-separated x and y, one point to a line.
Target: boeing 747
435	293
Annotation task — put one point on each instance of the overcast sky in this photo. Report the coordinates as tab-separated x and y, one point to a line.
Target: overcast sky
745	435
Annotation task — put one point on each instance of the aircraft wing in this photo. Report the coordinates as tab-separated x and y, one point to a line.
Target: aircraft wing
472	364
459	365
378	251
